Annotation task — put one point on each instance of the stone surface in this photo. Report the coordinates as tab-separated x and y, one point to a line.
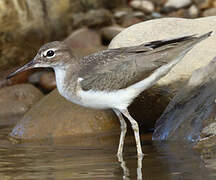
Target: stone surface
203	4
54	116
130	20
145	6
47	81
210	12
109	32
177	4
93	18
191	113
17	100
84	41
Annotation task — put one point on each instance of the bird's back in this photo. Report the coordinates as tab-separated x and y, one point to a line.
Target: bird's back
120	68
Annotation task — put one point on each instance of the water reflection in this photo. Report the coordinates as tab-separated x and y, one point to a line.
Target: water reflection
64	160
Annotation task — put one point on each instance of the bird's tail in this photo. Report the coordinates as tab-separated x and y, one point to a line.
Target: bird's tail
186	44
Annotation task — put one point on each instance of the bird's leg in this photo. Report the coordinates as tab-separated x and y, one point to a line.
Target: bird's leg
123	131
126	172
135	127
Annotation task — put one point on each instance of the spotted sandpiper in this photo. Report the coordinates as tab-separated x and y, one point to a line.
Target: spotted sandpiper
112	78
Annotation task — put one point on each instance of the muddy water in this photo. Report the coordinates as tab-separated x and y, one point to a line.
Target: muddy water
64	159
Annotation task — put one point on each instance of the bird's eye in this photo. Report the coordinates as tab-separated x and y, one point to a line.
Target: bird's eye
50	53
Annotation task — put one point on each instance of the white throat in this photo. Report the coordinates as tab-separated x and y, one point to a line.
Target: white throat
60	75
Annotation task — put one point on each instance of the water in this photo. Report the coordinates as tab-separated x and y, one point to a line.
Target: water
63	159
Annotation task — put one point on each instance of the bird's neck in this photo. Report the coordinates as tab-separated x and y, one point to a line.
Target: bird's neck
66	80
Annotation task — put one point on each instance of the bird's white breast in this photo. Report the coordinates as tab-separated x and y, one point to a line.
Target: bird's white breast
119	99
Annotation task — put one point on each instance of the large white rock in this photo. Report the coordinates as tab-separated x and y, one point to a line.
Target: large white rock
165	28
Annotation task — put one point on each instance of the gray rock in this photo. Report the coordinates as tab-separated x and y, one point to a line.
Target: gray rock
190	112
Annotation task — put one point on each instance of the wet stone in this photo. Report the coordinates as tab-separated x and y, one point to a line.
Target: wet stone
16	100
189	115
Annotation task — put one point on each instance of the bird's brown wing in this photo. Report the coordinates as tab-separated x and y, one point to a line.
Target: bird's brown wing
115	69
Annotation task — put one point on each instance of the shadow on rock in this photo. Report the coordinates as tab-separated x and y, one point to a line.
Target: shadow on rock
192	109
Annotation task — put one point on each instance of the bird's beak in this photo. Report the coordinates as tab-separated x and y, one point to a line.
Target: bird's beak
23	68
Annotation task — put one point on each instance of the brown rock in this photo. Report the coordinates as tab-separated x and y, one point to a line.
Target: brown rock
16	100
209	12
130	20
93	18
54	116
108	33
84	41
47	81
203	4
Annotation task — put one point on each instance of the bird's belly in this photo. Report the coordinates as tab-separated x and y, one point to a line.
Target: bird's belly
119	99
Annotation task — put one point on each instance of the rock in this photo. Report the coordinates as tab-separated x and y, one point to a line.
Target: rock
20	78
130	20
193	11
199	56
177	4
192	111
93	18
145	6
203	4
209	12
156	15
47	81
84	41
183	13
16	100
109	32
54	116
35	77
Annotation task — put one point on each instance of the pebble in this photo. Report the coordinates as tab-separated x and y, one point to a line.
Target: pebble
193	11
177	3
145	6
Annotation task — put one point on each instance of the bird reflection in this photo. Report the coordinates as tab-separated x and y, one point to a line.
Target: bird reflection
126	172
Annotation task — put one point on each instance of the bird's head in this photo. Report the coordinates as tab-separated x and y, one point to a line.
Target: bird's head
53	54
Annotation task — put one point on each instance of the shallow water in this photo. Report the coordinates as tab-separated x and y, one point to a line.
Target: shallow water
64	161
